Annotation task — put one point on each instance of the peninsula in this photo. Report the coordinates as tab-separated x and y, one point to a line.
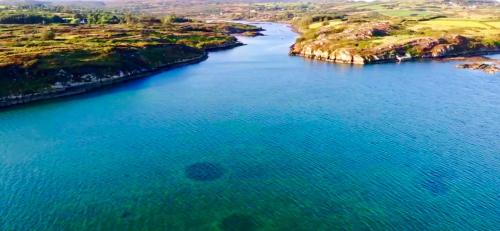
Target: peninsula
50	52
383	31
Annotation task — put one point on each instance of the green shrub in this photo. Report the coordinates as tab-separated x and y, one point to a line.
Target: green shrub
491	42
412	51
48	34
174	19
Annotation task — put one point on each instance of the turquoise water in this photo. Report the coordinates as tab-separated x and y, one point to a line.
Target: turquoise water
253	139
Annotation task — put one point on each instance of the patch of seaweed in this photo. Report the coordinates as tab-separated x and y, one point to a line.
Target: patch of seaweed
238	222
126	214
204	171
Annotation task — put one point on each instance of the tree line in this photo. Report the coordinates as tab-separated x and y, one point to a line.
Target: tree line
30	19
88	17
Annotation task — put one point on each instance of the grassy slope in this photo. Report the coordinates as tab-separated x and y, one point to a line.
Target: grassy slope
30	64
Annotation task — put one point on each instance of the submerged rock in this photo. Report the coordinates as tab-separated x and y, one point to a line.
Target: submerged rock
204	171
238	222
436	186
126	214
436	182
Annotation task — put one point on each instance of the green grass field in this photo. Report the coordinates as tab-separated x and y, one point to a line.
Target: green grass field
328	23
405	13
462	26
495	24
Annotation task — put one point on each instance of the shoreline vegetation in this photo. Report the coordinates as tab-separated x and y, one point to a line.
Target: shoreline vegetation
42	60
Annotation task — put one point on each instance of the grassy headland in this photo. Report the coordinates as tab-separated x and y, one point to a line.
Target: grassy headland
397	31
75	51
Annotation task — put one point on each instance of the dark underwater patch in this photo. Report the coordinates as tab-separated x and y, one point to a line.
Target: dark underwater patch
238	222
204	171
126	214
435	182
435	186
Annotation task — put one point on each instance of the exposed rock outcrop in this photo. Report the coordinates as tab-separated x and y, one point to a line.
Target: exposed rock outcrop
490	68
246	31
417	48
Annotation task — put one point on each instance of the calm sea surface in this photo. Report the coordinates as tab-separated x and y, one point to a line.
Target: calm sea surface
253	139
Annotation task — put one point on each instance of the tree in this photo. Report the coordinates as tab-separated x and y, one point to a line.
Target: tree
92	18
168	19
75	21
56	19
129	18
173	19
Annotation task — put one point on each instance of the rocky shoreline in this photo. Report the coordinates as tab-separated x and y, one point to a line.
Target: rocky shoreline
490	68
368	42
428	48
345	57
83	87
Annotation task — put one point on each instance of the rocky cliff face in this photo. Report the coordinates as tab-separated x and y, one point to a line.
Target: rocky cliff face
418	48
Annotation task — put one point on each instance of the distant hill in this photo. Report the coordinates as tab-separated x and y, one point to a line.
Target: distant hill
474	2
76	3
